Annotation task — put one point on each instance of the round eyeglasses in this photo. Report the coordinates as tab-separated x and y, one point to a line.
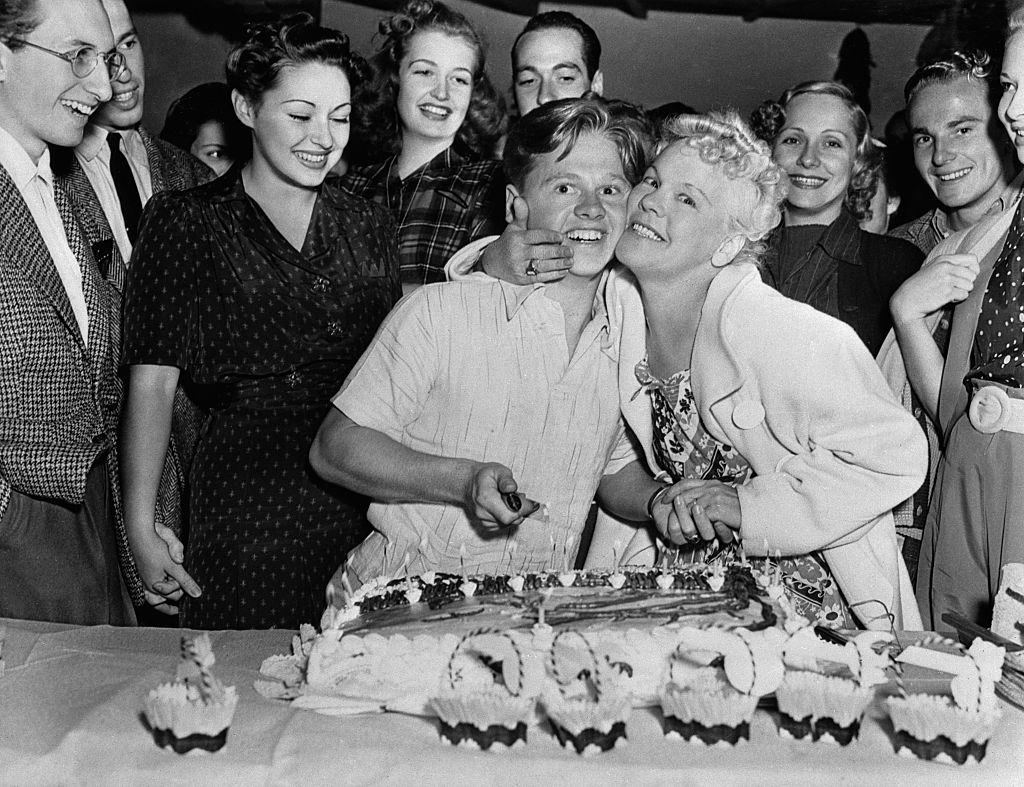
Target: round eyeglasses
83	61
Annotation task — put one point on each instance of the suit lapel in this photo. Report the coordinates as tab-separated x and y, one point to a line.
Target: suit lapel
158	178
20	235
97	295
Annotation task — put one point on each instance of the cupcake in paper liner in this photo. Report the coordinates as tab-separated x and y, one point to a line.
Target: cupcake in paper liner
707	710
820	706
588	703
952	730
195	711
828	686
483	703
931	727
714	705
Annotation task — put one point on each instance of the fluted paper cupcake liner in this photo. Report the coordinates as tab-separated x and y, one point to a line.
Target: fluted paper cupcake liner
483	709
576	715
709	702
927	717
804	694
171	707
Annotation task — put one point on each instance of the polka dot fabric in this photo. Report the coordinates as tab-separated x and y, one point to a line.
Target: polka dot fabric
265	335
998	352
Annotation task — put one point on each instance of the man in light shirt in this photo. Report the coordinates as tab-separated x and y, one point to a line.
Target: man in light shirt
557	55
479	388
58	331
122	163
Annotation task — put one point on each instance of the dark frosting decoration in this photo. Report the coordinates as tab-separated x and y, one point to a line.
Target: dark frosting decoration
496	733
605	741
167	739
800	729
841	735
929	750
708	735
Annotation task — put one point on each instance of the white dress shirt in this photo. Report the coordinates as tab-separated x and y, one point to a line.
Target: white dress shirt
94	156
35	183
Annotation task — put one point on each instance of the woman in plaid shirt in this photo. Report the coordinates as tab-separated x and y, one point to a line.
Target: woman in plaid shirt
435	124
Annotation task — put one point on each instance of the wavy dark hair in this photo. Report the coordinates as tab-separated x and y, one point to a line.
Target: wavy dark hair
563	20
253	67
18	18
559	124
769	119
379	133
210	101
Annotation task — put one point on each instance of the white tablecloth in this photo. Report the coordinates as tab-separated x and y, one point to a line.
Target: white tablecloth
70	713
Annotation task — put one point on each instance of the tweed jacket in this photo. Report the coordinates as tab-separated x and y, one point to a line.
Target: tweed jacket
59	398
799	397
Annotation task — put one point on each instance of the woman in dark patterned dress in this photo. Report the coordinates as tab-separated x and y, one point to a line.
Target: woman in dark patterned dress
428	142
261	290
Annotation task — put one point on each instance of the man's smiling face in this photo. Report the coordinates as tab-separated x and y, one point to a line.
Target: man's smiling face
549	65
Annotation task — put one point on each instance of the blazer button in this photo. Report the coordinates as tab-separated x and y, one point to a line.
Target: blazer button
334	328
321	284
293	379
748	414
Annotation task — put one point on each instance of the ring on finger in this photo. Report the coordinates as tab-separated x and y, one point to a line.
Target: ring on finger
531	269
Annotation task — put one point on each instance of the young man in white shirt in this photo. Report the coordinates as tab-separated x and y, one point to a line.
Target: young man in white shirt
477	389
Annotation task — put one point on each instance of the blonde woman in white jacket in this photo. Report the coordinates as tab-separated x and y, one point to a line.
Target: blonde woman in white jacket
761	417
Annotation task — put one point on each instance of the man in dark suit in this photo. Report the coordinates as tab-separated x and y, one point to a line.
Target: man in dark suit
59	331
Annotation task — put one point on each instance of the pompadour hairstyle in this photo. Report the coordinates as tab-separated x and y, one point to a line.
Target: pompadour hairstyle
557	125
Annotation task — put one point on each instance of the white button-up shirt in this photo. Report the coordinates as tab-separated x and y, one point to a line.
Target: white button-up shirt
94	156
35	183
481	370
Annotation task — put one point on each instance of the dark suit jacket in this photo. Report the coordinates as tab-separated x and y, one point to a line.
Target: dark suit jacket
871	268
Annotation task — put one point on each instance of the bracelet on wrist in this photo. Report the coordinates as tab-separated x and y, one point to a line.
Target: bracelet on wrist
656	495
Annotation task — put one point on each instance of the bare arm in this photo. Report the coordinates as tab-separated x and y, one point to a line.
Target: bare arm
145	432
371	463
948	278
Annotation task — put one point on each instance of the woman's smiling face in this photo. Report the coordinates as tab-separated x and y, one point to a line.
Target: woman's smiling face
817	148
435	85
679	214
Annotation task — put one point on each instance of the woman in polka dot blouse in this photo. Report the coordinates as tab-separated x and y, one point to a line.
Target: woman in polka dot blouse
976	519
260	290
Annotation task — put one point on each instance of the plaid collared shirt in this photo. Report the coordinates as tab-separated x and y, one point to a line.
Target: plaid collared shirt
439	208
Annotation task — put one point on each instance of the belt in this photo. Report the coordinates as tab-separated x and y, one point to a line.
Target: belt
996	409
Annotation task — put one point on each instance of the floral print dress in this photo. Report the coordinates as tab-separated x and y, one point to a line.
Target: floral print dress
684	449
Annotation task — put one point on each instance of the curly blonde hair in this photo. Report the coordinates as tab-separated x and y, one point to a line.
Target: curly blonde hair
722	138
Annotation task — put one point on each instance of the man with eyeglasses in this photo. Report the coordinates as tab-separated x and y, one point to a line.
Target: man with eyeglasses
58	329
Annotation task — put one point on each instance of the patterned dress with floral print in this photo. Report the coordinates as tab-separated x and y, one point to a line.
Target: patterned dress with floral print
684	449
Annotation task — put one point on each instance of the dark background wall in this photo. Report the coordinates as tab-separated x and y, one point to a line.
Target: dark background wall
700	59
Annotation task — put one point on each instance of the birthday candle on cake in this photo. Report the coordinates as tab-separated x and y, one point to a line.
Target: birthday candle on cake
616	552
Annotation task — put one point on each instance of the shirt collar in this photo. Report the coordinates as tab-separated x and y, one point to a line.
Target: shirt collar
95	140
15	159
515	295
841	239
